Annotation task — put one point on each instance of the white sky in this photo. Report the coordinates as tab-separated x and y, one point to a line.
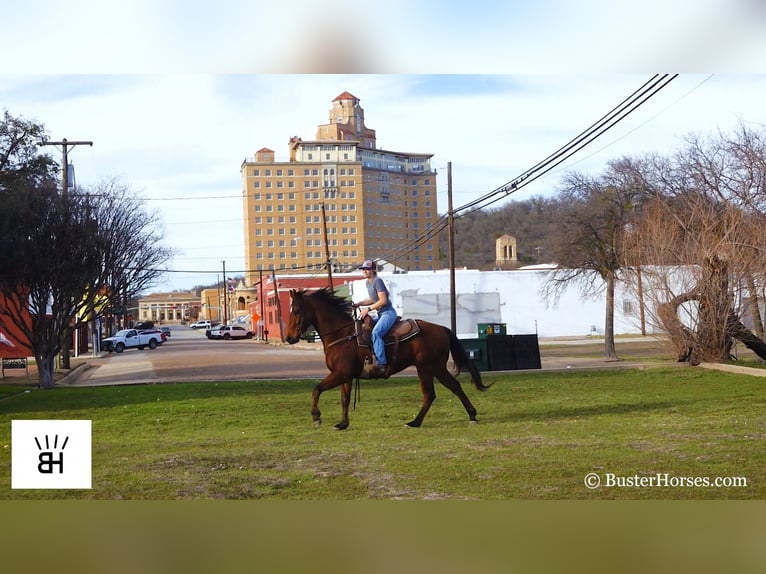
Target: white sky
174	102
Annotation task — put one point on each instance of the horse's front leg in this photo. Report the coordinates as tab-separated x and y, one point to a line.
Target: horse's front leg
330	381
345	398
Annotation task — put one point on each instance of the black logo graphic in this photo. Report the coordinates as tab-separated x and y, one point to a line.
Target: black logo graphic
46	457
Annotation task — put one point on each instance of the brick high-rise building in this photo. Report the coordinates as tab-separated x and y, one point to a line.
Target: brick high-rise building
375	203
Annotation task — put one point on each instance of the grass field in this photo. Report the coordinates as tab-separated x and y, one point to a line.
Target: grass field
539	435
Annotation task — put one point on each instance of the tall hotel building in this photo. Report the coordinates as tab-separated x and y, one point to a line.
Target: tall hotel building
368	203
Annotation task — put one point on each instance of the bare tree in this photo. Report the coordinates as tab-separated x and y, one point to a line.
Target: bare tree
66	259
594	213
701	239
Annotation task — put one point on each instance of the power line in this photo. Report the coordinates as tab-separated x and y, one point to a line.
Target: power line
647	90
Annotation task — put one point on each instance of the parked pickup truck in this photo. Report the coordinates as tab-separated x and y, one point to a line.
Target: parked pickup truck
130	338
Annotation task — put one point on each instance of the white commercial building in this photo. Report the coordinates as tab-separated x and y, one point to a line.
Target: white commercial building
511	297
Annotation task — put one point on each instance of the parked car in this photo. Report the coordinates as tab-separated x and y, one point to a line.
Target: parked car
229	332
144	325
201	325
165	330
131	338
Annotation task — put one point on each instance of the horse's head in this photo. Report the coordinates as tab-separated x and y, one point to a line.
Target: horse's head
301	316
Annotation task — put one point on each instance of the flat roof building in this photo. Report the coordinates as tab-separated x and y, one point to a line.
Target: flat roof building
338	199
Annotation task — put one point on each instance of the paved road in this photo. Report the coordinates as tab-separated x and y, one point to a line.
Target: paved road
189	356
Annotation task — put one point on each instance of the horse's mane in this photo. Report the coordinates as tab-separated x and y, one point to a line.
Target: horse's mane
328	297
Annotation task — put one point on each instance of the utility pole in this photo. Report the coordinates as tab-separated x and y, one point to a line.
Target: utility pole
265	334
65	145
225	296
326	247
451	220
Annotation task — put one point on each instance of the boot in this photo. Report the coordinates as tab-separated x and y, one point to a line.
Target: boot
379	372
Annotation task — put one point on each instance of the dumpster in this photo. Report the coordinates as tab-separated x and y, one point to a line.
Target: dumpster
486	329
512	352
476	349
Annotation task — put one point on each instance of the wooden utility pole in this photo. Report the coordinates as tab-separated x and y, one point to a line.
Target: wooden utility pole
65	145
451	220
326	247
225	296
279	306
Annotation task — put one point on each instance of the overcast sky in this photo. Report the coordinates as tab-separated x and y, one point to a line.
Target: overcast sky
174	103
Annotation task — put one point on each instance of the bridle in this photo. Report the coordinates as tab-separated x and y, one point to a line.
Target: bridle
323	335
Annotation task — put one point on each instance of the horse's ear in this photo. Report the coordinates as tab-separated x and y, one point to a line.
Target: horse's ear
292	293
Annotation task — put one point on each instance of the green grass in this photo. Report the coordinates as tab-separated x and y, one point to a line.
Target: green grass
538	435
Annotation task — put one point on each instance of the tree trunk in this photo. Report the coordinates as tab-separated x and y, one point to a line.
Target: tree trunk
755	311
715	307
738	331
45	371
610	352
66	349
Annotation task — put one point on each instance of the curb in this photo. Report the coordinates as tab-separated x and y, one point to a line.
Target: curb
74	375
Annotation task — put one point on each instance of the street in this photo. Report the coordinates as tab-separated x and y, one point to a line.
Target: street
188	355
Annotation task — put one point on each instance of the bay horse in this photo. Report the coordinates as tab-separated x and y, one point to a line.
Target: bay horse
332	318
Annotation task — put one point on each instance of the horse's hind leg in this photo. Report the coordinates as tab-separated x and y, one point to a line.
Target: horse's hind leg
429	395
448	380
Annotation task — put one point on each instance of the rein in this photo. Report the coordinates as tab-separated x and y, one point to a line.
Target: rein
342	339
357	392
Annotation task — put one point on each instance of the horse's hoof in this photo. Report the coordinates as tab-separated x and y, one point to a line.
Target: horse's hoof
341	426
317	424
412	425
473	422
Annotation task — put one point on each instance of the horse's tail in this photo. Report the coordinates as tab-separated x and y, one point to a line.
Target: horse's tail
463	363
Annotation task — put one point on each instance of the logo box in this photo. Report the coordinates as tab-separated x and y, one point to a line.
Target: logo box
50	454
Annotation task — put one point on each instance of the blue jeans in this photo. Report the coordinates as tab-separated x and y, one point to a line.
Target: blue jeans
386	318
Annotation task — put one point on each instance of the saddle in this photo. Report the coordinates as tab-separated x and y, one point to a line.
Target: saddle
401	330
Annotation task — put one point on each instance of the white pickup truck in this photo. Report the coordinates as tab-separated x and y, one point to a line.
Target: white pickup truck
129	338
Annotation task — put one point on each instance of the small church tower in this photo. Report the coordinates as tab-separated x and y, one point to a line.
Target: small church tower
505	251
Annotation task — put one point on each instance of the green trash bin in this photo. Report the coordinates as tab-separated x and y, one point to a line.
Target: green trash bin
485	329
476	349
